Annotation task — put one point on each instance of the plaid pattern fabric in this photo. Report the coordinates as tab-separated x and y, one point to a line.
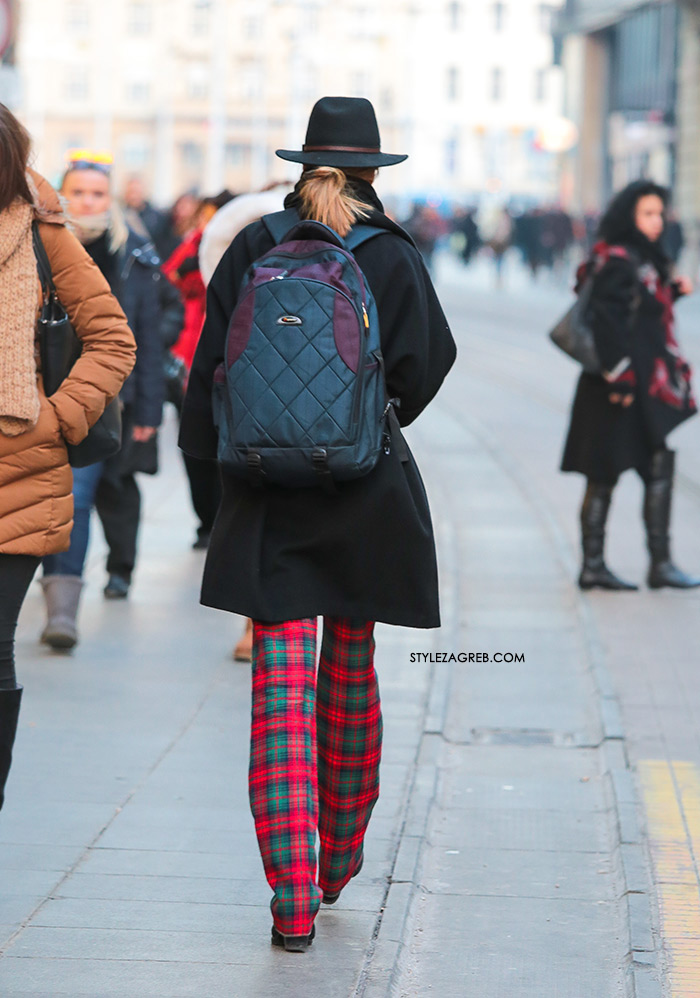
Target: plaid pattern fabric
349	722
283	777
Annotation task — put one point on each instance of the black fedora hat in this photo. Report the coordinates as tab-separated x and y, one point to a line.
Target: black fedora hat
342	131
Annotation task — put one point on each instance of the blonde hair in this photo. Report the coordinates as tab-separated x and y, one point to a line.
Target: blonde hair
327	197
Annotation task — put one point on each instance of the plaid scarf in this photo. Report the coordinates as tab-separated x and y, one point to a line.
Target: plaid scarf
19	396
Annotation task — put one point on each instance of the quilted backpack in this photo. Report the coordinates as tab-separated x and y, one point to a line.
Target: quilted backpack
301	399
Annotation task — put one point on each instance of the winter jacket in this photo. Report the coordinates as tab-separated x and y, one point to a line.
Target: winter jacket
140	297
368	551
36	501
631	315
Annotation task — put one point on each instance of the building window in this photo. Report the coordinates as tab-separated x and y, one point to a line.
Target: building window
546	18
454	16
309	19
496	84
201	18
77	16
136	152
252	27
139	18
360	84
198	83
452	83
192	155
499	16
451	156
540	85
253	78
138	91
235	154
77	86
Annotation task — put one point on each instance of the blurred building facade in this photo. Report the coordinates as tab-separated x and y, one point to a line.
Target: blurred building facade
199	93
632	84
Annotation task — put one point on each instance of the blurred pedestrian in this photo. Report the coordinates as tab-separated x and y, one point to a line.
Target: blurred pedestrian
425	226
622	417
284	555
178	223
465	223
500	242
182	270
131	266
35	477
141	215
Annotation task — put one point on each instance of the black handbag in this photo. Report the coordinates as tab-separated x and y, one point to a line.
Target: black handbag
59	348
139	456
574	336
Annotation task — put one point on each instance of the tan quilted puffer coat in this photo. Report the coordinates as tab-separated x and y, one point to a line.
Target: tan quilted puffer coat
36	482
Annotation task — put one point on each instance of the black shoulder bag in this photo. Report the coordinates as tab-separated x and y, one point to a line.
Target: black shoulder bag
60	347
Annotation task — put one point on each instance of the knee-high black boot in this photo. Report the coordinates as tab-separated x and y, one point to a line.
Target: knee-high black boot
657	518
594	514
9	716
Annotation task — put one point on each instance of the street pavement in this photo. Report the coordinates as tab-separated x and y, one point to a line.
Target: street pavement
538	830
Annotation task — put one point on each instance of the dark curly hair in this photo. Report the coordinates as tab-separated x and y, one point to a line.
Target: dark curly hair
618	224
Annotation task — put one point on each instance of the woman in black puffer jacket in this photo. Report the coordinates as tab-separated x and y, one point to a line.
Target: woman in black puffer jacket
622	417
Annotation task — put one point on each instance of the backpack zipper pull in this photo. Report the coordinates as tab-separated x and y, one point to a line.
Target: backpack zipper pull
366	317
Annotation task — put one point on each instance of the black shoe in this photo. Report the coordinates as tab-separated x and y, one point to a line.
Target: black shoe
600	577
665	574
202	541
332	898
116	588
293	944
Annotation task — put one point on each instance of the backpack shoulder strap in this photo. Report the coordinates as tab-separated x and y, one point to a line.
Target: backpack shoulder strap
279	223
361	234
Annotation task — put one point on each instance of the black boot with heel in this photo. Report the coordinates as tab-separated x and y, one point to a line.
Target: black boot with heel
594	514
658	496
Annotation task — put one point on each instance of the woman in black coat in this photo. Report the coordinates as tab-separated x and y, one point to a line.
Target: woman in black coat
622	417
285	556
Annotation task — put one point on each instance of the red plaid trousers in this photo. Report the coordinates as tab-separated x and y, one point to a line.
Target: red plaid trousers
314	759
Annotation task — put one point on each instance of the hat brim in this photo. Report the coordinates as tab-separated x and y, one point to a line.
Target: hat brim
340	159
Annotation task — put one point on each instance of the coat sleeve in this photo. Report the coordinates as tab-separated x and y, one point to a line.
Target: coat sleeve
416	339
611	314
149	373
198	436
108	346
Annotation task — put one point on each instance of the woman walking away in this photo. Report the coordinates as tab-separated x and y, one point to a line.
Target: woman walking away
354	551
622	417
36	504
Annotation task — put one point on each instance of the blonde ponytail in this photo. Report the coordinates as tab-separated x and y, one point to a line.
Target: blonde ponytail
326	197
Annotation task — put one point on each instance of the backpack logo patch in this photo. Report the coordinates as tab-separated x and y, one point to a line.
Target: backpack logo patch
289	320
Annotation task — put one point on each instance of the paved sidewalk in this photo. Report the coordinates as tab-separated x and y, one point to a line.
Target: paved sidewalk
128	862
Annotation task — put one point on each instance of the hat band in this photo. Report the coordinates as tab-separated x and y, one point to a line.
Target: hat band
376	149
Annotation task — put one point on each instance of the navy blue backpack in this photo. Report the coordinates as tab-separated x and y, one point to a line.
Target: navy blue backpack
301	398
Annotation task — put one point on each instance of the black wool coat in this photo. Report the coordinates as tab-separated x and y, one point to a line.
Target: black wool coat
628	320
368	551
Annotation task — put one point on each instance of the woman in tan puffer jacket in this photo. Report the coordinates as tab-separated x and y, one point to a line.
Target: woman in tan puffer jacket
36	503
